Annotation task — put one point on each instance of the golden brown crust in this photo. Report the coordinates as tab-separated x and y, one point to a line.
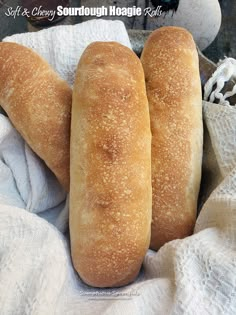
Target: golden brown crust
110	197
171	68
38	103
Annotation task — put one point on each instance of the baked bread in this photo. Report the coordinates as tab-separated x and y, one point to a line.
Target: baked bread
110	171
38	103
171	68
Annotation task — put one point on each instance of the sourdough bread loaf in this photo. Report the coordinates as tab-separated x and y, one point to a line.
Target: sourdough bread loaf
38	103
171	68
110	196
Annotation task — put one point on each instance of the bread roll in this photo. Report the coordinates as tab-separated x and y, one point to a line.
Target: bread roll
110	196
171	68
38	103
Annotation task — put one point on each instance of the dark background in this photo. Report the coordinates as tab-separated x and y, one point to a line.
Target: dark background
225	42
223	45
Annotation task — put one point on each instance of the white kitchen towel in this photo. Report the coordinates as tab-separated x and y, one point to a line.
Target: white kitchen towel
26	182
62	46
196	275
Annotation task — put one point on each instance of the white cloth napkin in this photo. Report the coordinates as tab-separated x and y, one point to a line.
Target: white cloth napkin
196	275
62	46
26	182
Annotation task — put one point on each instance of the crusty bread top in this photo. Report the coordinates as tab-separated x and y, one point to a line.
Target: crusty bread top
38	102
110	204
170	62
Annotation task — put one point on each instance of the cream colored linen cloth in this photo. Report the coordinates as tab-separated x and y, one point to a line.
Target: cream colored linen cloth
196	275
